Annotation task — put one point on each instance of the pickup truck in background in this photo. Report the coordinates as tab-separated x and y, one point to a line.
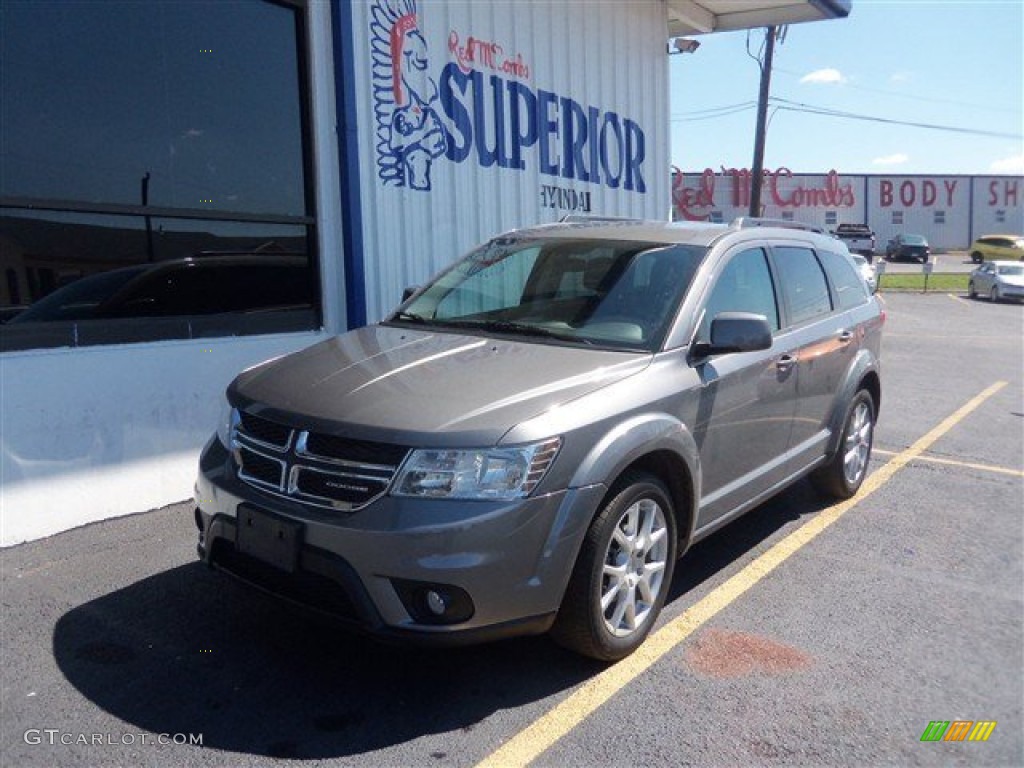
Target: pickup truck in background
858	238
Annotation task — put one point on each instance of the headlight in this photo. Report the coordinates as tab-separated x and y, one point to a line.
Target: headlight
488	473
226	423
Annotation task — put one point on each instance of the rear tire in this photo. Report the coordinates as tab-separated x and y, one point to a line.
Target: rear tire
843	475
623	573
977	257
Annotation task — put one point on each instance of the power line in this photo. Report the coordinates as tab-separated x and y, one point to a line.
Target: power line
796	106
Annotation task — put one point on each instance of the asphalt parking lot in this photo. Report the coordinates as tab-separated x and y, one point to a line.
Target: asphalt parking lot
803	633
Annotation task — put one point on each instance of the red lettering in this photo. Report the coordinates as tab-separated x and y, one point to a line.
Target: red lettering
928	193
993	195
908	194
773	185
685	199
1010	194
950	188
885	193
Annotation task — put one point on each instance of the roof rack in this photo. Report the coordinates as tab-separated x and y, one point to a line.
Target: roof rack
570	218
746	222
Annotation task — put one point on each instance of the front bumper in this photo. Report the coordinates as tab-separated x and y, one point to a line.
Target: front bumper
500	567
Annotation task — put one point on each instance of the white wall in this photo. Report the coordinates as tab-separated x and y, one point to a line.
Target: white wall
99	432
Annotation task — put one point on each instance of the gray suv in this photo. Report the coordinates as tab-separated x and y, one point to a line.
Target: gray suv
531	441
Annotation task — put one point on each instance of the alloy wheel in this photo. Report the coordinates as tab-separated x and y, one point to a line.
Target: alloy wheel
634	567
857	445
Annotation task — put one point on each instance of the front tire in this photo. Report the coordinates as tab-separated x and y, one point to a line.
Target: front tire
622	574
993	295
977	257
843	475
972	292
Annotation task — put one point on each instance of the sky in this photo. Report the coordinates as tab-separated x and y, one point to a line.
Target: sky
958	65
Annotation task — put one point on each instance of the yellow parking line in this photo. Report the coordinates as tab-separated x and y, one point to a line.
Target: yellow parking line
955	463
956	298
535	739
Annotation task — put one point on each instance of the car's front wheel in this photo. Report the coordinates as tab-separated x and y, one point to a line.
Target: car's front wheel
972	292
623	572
843	475
993	295
977	257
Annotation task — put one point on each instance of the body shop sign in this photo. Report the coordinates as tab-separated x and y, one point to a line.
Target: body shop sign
482	106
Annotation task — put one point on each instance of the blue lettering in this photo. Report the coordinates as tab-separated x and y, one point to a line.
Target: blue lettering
635	152
593	115
501	118
611	119
487	155
574	137
456	111
548	129
521	97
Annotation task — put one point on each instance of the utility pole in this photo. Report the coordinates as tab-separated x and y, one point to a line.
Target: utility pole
757	167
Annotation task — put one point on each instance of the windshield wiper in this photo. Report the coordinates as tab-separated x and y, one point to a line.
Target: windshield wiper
410	317
519	329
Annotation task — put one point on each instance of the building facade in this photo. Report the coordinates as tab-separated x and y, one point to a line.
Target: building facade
191	188
950	211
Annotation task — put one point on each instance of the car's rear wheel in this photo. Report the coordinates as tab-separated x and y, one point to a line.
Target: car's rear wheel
623	572
843	475
977	257
993	295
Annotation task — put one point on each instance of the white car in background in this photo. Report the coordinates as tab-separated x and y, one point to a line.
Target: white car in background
998	280
867	271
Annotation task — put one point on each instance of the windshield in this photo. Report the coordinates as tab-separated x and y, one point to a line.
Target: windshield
914	240
618	294
1011	270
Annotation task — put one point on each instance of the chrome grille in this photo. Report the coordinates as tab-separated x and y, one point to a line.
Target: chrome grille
315	468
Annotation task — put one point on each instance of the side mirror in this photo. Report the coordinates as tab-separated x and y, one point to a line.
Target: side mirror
736	332
408	292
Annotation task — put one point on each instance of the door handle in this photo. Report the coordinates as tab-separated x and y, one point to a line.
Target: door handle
845	336
785	362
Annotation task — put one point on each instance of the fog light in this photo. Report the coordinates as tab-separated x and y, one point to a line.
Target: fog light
434	603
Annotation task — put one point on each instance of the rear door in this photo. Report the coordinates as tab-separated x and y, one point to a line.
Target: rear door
824	334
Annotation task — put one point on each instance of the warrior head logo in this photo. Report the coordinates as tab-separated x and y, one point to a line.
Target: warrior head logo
409	132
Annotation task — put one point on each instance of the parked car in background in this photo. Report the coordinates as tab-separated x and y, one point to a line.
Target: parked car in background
867	271
997	280
908	248
531	440
859	238
996	247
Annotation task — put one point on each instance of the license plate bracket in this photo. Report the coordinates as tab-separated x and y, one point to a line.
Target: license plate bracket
269	538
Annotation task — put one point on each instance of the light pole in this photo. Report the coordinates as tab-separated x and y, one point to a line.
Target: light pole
757	167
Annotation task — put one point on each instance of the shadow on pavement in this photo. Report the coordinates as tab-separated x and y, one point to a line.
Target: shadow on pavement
191	651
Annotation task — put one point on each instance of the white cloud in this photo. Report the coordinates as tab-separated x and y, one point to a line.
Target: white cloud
901	77
895	159
1012	164
828	75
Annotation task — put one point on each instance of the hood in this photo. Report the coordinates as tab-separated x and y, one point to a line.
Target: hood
425	388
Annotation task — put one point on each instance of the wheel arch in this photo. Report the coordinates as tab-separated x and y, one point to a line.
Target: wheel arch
656	444
863	374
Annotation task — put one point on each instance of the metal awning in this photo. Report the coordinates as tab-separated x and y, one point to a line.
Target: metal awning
697	17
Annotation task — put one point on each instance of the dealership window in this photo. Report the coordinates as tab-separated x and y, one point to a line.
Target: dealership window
787	215
897	217
154	176
940	217
831	217
717	217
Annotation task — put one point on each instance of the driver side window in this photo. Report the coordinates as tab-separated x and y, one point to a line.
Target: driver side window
745	285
